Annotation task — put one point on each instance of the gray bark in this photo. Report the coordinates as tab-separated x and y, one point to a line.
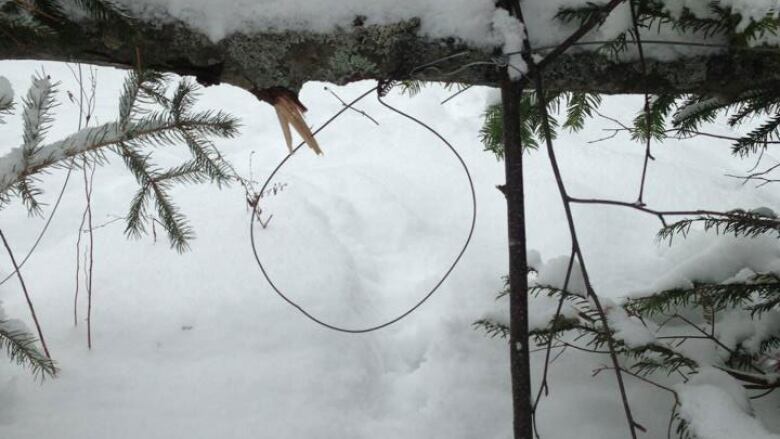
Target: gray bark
289	59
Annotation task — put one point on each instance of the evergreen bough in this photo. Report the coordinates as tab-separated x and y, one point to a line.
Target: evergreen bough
154	111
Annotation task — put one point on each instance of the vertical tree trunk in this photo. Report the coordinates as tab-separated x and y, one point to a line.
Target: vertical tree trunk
511	92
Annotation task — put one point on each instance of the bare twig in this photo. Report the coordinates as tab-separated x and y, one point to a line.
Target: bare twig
88	180
660	214
688	135
45	227
457	93
547	134
78	270
107	223
648	115
758	176
26	295
763	394
640	378
356	110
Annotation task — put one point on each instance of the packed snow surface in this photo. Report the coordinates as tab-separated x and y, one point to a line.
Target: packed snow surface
198	346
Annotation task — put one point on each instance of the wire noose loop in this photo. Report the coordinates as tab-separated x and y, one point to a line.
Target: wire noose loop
381	90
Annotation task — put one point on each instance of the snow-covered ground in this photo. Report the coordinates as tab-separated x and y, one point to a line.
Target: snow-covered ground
198	346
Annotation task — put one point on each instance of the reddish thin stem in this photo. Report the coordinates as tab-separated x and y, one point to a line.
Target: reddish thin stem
632	424
91	261
26	295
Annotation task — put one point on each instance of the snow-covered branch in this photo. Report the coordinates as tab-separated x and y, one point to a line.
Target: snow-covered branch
404	44
14	166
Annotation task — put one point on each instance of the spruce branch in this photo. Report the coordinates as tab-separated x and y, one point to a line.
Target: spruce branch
138	214
735	222
758	138
492	328
179	230
147	118
580	106
20	346
37	114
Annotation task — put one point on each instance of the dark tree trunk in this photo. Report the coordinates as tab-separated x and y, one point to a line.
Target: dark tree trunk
511	92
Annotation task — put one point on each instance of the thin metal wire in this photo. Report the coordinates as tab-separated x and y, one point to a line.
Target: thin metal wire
44	229
437	61
433	290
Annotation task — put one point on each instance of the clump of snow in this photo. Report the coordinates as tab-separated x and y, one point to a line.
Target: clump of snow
764	211
542	308
512	32
470	20
704	104
534	259
742	276
716	407
6	92
553	273
10	325
741	328
704	257
629	328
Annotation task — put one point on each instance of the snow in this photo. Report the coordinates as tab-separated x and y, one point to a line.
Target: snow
6	92
478	23
738	328
198	346
630	329
700	258
512	33
553	273
9	325
764	211
717	408
469	19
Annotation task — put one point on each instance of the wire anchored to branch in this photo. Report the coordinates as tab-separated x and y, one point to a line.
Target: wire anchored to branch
380	89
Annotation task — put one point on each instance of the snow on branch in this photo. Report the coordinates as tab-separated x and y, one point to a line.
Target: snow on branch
148	117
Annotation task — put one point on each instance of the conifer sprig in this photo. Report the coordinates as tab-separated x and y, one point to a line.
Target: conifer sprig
148	118
736	222
654	126
20	347
38	118
578	106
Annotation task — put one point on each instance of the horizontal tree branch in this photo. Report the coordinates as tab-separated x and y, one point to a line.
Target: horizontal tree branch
396	51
